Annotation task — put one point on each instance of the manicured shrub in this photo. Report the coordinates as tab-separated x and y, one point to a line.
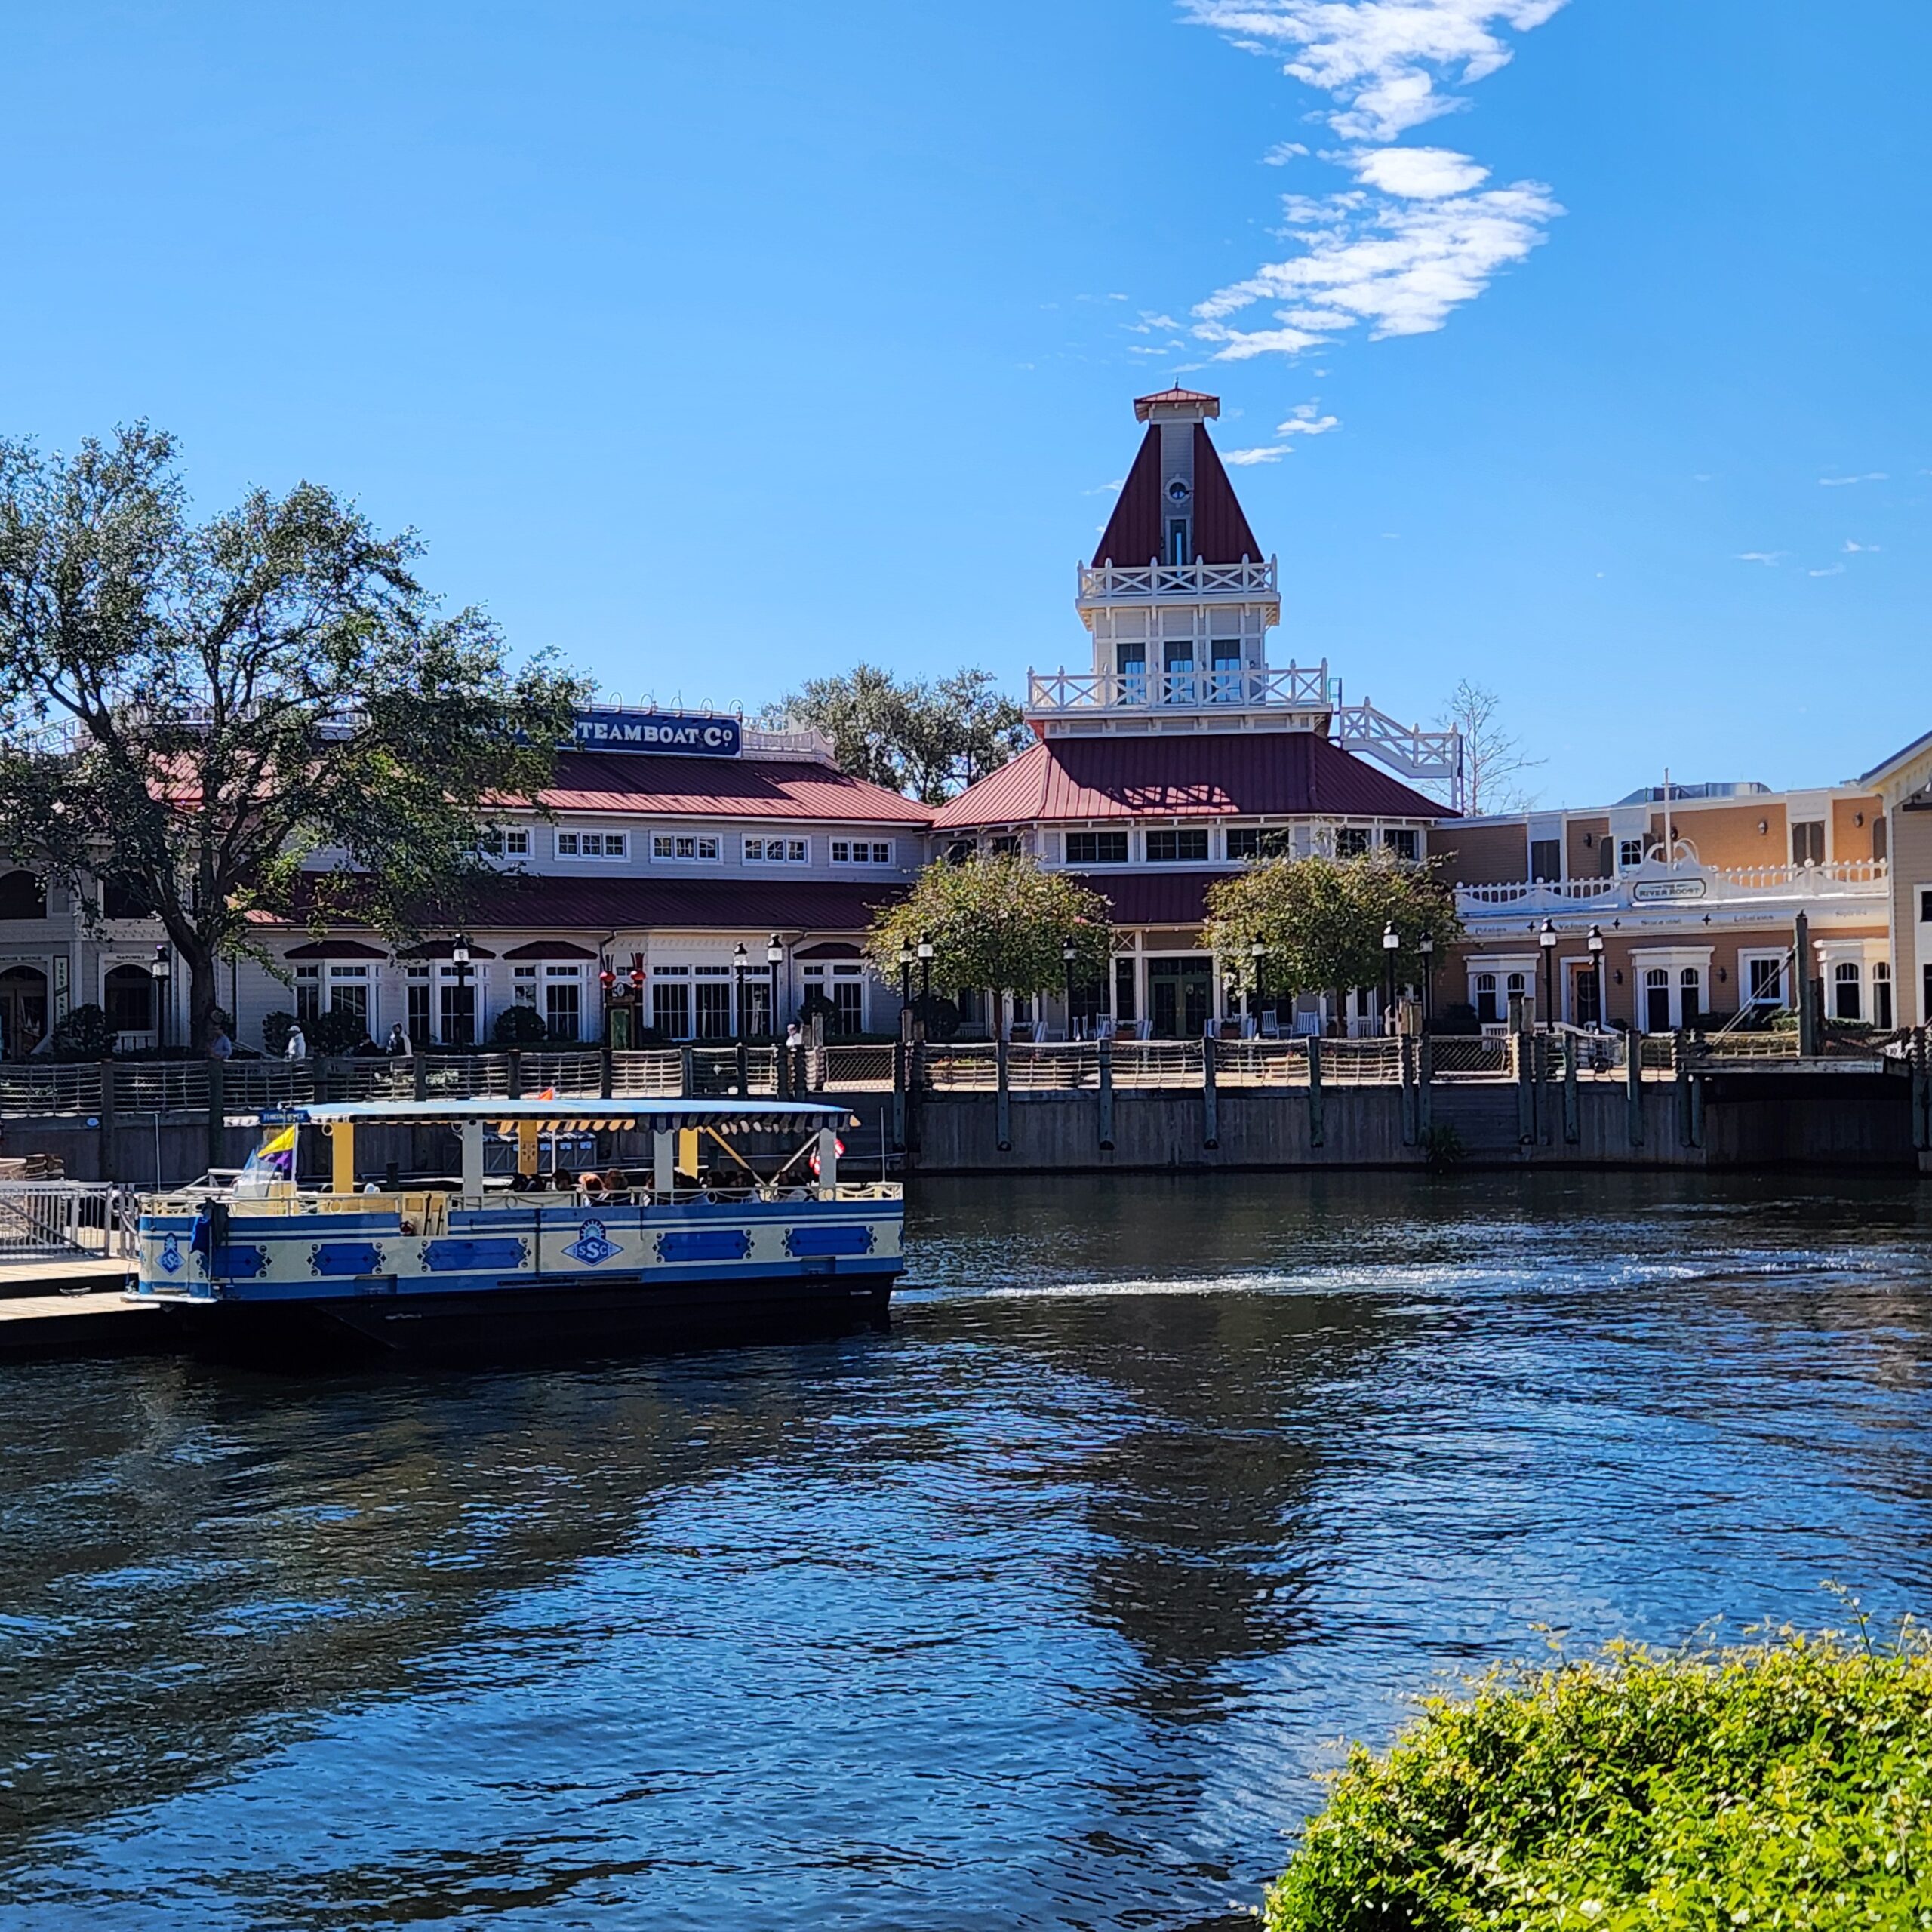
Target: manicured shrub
1785	1783
85	1034
519	1027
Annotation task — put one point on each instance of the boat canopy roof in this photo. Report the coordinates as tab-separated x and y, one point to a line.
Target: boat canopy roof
656	1116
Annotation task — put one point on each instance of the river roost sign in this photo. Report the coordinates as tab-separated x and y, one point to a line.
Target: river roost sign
689	734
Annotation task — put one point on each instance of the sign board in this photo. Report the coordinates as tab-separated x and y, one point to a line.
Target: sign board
1666	891
688	734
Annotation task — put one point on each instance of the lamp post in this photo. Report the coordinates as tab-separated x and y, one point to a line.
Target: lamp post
926	950
774	958
741	958
907	956
1391	944
163	970
1426	946
1069	953
467	1010
1547	939
1256	953
1596	969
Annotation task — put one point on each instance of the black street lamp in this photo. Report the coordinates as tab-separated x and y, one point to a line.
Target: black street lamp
1547	939
741	958
1256	953
1069	953
1596	967
926	950
466	1015
1391	944
1426	946
774	958
163	969
906	956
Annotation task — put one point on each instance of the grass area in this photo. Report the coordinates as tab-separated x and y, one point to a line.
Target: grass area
1785	1782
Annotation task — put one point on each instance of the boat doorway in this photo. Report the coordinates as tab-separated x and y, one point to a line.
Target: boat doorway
1179	997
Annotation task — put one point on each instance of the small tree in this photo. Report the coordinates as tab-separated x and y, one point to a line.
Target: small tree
929	740
197	712
1319	922
1493	760
1002	923
519	1025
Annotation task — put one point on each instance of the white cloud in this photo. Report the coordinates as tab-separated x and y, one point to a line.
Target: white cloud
1831	569
1282	152
1247	459
1843	482
1303	421
1398	266
1759	556
1419	234
1852	549
1112	489
1418	173
1381	59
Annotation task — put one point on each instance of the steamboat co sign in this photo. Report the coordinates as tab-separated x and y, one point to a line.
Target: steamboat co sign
676	731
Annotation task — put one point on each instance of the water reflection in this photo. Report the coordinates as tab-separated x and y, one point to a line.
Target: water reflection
1034	1612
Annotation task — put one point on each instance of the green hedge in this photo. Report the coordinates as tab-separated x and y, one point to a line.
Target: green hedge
1786	1783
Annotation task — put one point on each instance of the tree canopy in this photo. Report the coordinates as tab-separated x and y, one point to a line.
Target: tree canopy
196	712
928	739
1002	922
1320	922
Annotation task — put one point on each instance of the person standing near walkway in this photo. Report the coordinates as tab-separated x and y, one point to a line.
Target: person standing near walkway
398	1046
297	1047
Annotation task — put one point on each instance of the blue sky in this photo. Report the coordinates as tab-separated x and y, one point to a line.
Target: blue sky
719	347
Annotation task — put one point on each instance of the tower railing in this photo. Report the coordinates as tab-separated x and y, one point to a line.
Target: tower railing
1293	689
1119	583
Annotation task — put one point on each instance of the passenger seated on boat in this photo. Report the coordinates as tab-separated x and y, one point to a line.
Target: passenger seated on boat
594	1186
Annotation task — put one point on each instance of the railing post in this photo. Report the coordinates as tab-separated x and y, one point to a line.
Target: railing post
1410	1132
1317	1134
1921	1092
1680	1054
606	1070
744	1075
687	1072
109	1124
899	1077
419	1068
1541	1053
1573	1127
217	1112
1003	1098
1633	1087
1425	1086
513	1075
1808	1000
1106	1098
1210	1098
1526	1092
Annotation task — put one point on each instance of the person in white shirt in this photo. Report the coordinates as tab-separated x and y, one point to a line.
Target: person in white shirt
297	1047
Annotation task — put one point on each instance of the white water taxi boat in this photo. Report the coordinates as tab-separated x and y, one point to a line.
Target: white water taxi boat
695	1219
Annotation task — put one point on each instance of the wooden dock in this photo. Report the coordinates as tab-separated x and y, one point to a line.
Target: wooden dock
74	1308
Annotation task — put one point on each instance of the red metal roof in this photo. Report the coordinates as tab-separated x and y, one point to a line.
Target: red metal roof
545	903
1144	404
1271	774
1221	534
722	788
1156	898
1133	534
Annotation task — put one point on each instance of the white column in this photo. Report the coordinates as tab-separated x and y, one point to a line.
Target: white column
471	1132
827	1160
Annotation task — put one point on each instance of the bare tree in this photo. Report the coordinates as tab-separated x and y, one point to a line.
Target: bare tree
1493	761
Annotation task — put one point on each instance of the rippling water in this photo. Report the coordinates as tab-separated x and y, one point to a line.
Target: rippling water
1039	1611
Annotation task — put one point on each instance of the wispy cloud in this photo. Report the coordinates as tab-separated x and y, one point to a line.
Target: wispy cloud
1852	549
1304	420
1771	557
1112	489
1830	569
1419	234
1845	482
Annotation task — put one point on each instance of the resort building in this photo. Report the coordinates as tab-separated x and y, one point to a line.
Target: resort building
691	875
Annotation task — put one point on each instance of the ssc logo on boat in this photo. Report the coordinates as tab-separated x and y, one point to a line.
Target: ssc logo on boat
591	1246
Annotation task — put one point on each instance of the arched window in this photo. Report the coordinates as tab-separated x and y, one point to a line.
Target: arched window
128	996
22	896
1881	996
1486	1009
1690	995
1847	1000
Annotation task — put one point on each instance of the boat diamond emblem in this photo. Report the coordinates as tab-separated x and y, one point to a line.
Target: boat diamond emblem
590	1245
170	1253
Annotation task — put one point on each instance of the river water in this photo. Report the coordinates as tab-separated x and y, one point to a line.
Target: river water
1042	1610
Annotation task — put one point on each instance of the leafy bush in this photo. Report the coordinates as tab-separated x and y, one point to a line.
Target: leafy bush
338	1031
1458	1019
519	1027
1786	1782
275	1031
939	1015
83	1034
